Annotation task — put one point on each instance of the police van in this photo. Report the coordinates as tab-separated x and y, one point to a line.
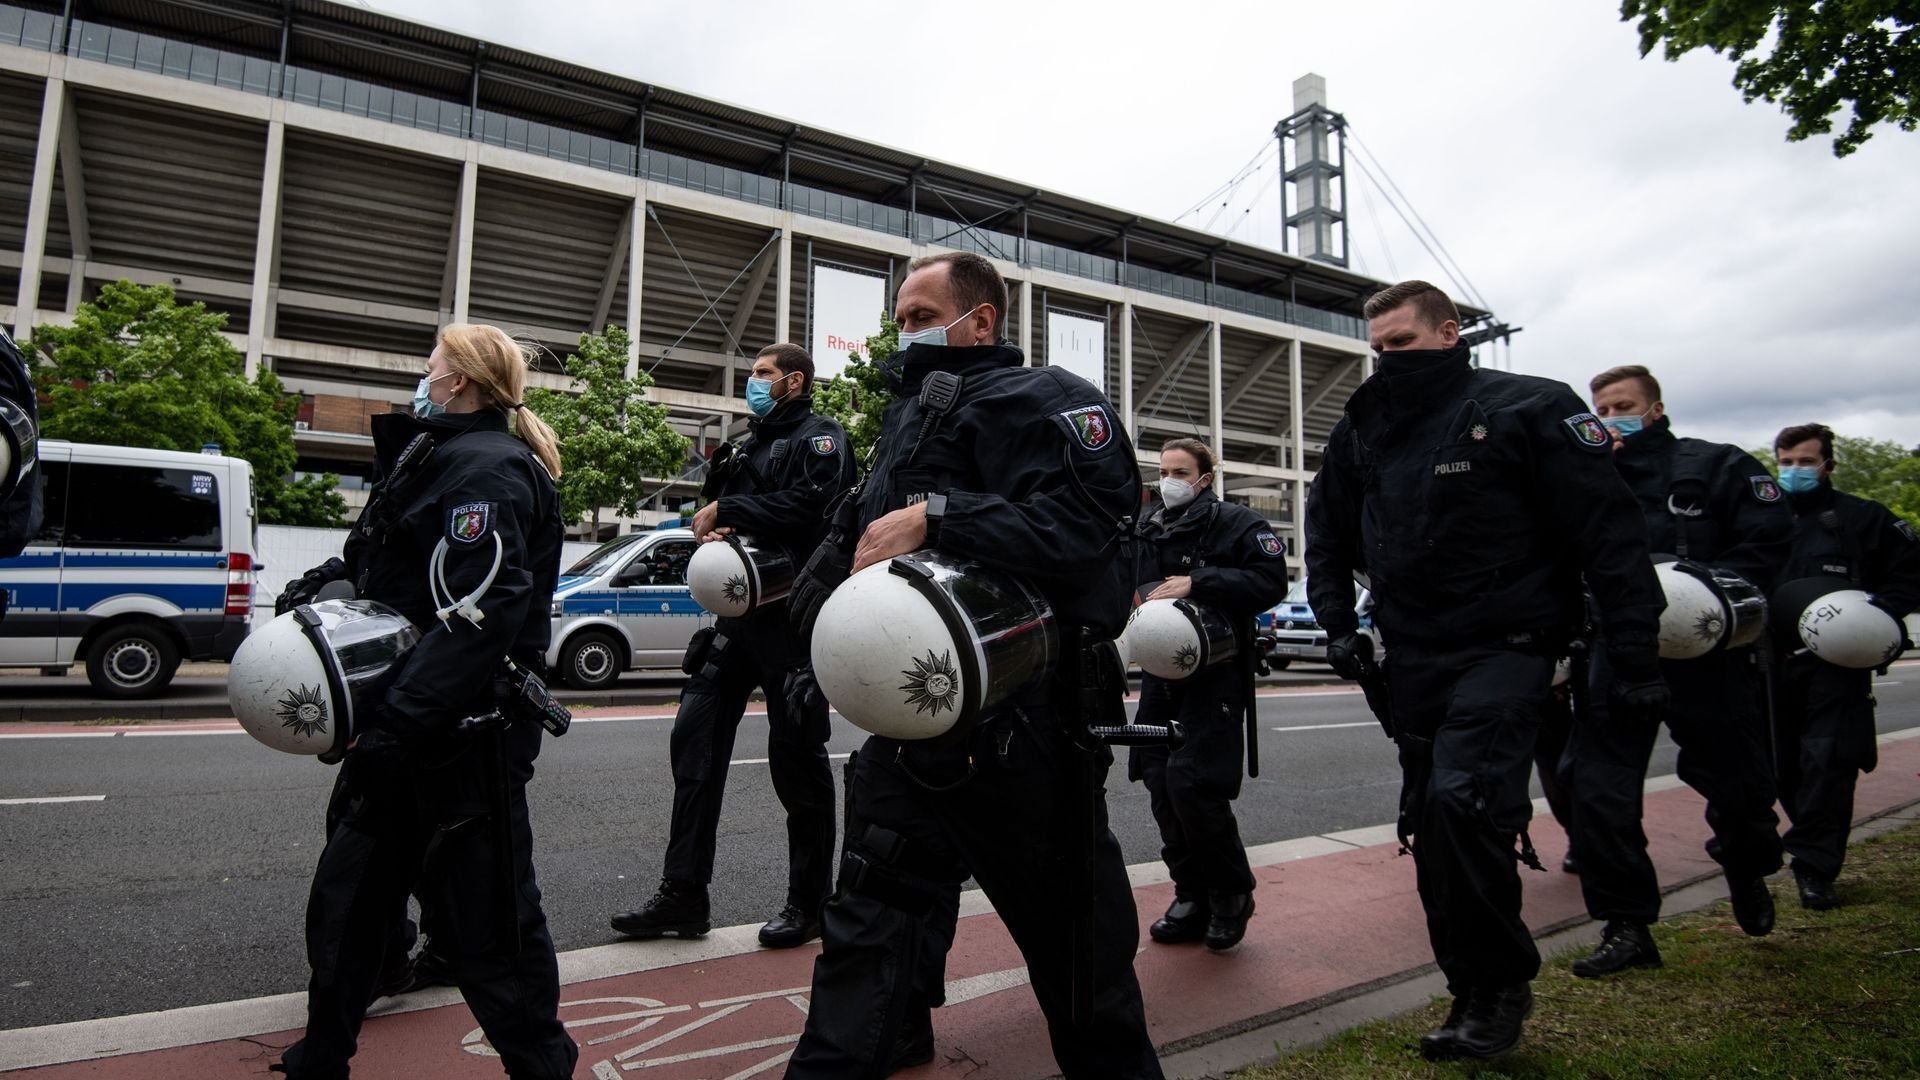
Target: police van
145	558
1296	633
625	605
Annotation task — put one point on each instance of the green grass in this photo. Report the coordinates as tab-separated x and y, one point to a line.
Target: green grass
1827	994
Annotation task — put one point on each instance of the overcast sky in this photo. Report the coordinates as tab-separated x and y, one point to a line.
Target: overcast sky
1621	210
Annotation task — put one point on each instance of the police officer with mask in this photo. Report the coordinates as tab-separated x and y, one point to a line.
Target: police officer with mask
1712	504
462	537
775	487
1198	546
1475	500
1825	725
1026	471
20	497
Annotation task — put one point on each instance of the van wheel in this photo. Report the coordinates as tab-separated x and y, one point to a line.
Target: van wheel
592	661
135	660
1280	663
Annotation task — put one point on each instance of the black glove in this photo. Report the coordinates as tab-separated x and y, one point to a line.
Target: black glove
802	691
824	572
304	588
1351	657
1638	688
378	764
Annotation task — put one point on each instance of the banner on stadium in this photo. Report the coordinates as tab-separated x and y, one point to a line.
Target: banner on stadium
846	312
1079	345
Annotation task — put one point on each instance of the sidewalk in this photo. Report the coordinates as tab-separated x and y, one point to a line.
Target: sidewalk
1338	921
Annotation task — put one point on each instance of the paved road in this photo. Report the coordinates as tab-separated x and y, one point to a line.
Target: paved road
186	883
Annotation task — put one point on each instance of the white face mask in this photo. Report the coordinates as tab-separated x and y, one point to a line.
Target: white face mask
1177	493
934	335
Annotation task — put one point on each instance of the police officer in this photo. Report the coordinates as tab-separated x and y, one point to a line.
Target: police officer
1197	545
1475	500
1712	504
1025	470
462	536
20	497
1825	722
775	486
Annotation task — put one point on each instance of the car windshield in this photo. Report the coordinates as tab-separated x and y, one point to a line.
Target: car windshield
1297	592
602	559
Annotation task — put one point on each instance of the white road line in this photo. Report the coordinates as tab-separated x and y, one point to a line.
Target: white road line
763	761
53	799
1329	727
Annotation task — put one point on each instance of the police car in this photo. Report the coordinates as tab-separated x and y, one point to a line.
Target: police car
145	558
1296	634
625	605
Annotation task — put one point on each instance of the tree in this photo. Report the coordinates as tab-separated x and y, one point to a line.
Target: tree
1821	54
611	437
137	368
859	395
1877	469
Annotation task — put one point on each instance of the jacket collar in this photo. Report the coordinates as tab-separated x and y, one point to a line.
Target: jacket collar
908	368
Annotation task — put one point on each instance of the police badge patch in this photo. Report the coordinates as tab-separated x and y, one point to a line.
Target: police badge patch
1766	489
1588	430
1270	543
470	522
822	445
1090	426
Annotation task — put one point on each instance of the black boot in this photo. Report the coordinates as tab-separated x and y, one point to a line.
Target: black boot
1816	892
676	907
791	927
1185	921
1493	1021
1752	906
1570	865
1228	922
1437	1045
1623	945
912	1048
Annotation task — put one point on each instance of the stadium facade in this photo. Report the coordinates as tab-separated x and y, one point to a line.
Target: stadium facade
342	182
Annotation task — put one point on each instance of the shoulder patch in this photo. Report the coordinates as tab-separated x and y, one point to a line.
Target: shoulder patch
470	522
1588	431
824	445
1905	528
1765	488
1091	426
1270	543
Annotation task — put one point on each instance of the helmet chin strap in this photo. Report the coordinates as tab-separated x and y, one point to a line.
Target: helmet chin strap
467	607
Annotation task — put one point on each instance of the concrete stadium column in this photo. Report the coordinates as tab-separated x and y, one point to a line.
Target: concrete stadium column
783	288
266	237
1366	365
1216	416
1126	365
1026	320
1297	458
463	245
636	263
79	232
39	206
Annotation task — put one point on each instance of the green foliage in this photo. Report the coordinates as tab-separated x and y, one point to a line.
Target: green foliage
859	395
611	437
1877	469
1823	54
138	369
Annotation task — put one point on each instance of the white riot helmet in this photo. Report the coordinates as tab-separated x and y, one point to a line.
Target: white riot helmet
293	681
1845	629
19	441
925	644
734	576
1174	639
1707	609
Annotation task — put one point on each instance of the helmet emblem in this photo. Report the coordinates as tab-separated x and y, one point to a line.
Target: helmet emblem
734	590
1708	626
303	709
1186	658
932	684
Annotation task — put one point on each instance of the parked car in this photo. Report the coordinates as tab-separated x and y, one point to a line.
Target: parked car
1296	634
146	558
625	605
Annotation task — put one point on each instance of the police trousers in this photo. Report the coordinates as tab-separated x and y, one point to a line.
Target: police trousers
1003	807
437	831
758	653
1826	739
1465	719
1191	789
1718	721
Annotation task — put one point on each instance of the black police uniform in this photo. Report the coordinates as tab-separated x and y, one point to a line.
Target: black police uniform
428	807
1713	504
20	495
1825	721
1474	499
1238	568
775	489
1039	480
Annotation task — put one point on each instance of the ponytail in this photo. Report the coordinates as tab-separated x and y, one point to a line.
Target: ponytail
536	434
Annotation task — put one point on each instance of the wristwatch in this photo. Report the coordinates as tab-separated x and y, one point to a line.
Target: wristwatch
936	513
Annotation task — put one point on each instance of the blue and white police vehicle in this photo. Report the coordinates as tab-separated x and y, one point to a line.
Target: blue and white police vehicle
1297	635
625	605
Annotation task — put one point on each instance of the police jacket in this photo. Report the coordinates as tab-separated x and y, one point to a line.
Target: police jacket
1039	476
776	484
480	485
1708	502
1475	500
20	497
1237	565
1843	535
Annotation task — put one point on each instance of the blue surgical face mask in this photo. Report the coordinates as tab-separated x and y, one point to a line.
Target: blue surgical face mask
1796	479
425	407
933	335
760	395
1624	426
